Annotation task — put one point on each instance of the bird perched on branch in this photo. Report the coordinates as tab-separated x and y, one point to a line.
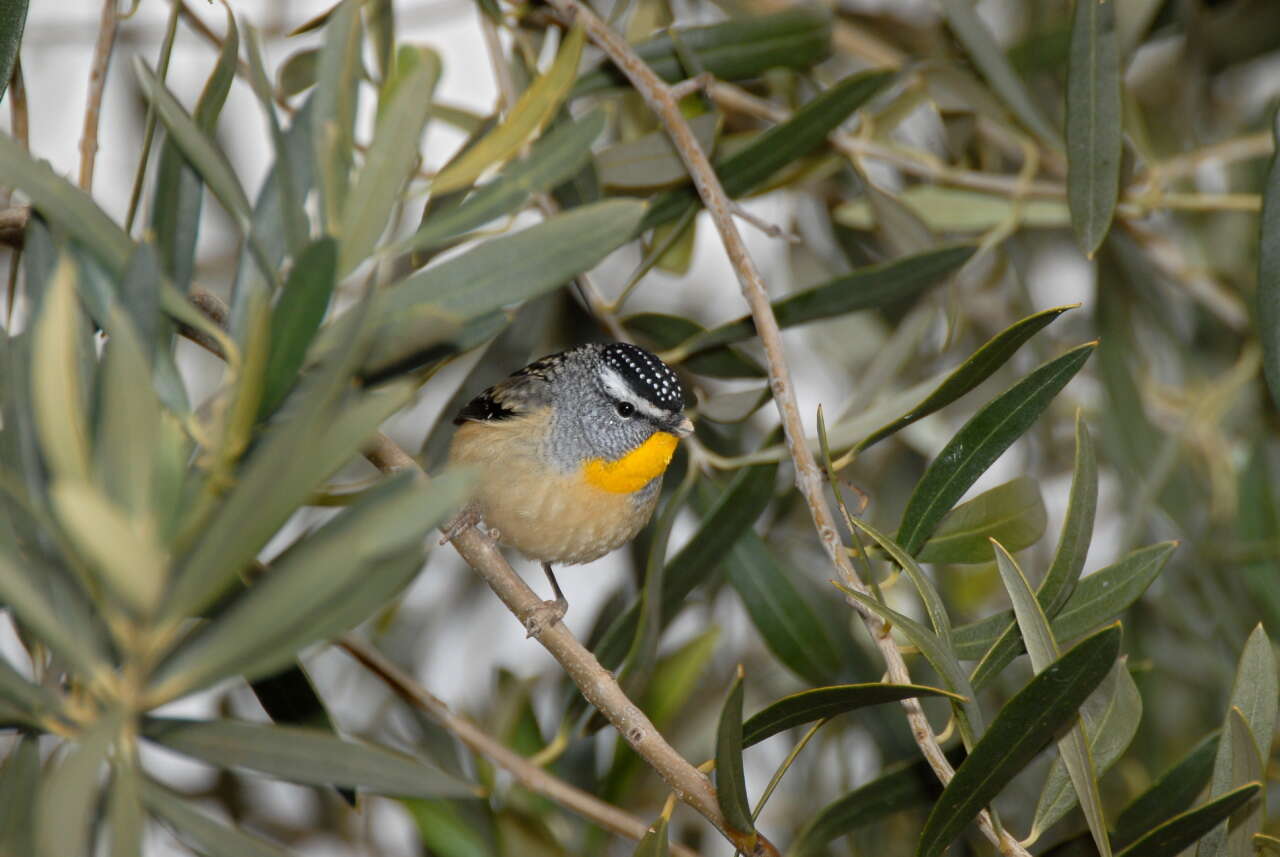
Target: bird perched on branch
570	452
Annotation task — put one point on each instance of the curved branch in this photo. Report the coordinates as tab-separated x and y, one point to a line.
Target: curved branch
97	83
657	94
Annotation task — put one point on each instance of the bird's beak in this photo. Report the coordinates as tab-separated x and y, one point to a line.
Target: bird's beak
684	428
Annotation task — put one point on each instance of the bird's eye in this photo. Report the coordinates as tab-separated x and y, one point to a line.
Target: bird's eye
626	409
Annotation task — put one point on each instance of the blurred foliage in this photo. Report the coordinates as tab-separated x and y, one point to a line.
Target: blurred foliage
1034	262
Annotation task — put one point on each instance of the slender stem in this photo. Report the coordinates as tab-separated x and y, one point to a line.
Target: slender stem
18	105
526	773
809	479
97	85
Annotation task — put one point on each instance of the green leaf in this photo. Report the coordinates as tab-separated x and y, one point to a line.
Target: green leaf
940	656
1025	724
651	161
279	221
979	367
904	787
1098	598
1094	122
298	72
305	756
129	424
1170	794
53	611
454	828
356	560
19	784
124	810
13	20
928	592
1074	747
391	157
57	381
535	107
296	318
778	147
554	158
517	267
654	843
1182	830
31	700
69	793
290	698
286	465
980	442
949	209
120	550
1247	735
991	61
1107	592
198	830
1255	690
731	783
1256	521
1077	527
1268	329
64	205
1111	716
380	18
868	287
336	101
175	208
736	49
664	332
824	702
1012	514
788	624
204	156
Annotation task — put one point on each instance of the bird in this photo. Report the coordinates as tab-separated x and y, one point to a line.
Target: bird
569	454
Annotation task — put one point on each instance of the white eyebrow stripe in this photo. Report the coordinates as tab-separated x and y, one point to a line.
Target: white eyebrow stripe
617	387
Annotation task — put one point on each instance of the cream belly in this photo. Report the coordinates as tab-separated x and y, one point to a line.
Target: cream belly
556	518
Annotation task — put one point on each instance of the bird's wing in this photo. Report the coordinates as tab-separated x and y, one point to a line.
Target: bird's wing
525	390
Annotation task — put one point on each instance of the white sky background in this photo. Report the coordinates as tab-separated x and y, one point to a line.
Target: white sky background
453	647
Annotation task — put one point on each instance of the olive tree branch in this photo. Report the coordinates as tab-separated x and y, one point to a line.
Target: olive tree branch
809	479
97	84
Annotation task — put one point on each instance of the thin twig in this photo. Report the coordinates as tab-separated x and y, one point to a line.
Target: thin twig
809	480
529	775
97	85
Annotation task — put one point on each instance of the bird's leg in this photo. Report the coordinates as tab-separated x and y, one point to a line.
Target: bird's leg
549	612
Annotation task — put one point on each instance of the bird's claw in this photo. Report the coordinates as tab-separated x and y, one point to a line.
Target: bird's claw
544	616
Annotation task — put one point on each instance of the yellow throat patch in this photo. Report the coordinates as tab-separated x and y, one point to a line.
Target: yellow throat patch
634	470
